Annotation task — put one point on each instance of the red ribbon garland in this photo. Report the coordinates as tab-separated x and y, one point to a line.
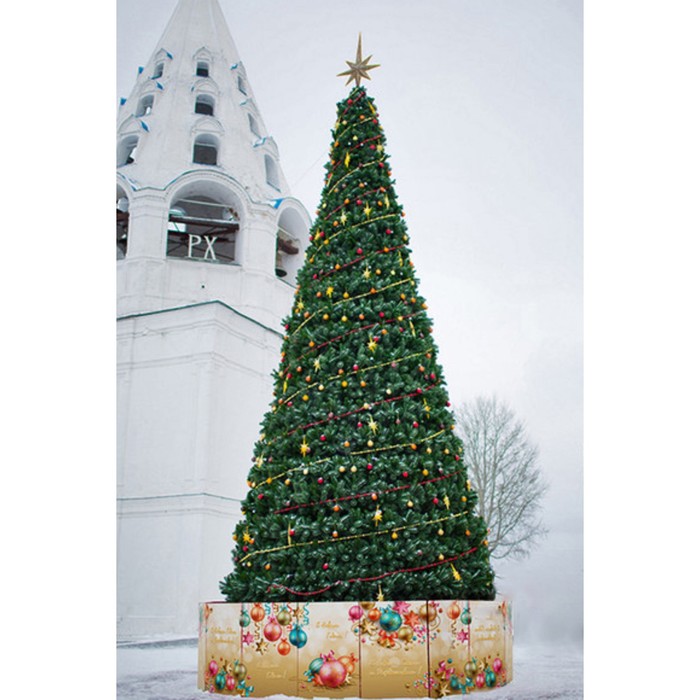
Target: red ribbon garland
321	275
373	578
363	495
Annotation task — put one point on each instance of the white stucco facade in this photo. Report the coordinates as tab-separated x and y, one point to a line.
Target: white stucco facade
208	244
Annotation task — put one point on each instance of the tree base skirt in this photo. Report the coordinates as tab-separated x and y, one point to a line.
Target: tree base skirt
382	649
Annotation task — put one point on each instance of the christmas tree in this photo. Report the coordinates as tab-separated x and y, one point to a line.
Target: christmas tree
358	486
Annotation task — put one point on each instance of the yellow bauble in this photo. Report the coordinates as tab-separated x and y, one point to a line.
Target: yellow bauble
427	611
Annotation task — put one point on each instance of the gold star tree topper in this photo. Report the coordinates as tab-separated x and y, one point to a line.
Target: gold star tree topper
359	69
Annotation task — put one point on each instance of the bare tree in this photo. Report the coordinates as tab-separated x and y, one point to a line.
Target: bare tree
502	467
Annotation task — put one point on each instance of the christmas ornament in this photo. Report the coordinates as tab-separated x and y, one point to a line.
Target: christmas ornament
283	648
239	671
480	680
453	611
332	673
466	618
355	612
390	620
272	631
349	663
230	682
314	667
497	665
427	612
284	617
297	637
257	612
220	680
213	667
490	678
244	620
405	633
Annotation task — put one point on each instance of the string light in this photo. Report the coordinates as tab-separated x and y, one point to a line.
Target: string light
364	495
363	535
365	579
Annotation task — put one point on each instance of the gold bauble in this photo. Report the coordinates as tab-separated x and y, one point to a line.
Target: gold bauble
427	612
405	633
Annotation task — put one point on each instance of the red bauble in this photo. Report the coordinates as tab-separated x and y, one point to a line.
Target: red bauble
213	667
497	665
257	613
272	630
453	611
480	680
374	614
284	647
355	612
332	674
230	682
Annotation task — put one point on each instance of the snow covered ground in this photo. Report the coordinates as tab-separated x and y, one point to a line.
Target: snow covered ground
168	671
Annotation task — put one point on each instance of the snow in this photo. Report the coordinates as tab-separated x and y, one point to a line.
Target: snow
168	671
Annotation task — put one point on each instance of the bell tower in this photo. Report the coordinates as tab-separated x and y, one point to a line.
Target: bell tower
209	240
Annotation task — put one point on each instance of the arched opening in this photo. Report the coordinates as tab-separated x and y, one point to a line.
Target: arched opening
204	104
202	69
242	85
126	152
206	150
203	224
271	172
122	223
158	70
145	106
291	229
255	129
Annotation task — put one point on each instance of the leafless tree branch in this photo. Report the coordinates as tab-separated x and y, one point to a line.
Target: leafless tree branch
503	468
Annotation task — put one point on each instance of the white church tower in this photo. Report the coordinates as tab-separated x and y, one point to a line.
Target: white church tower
209	241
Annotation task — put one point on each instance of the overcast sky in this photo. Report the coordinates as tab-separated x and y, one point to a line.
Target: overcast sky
481	103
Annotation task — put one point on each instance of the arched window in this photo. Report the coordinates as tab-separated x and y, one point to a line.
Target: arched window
202	69
145	106
271	172
203	227
122	223
206	150
158	71
291	229
242	85
254	125
204	104
126	153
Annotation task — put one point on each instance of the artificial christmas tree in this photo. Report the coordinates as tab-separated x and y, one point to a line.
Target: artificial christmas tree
361	568
358	480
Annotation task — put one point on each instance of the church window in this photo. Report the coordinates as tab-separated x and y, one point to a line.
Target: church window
204	104
290	230
158	72
203	69
145	106
206	150
254	125
126	152
242	85
201	227
122	224
271	172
